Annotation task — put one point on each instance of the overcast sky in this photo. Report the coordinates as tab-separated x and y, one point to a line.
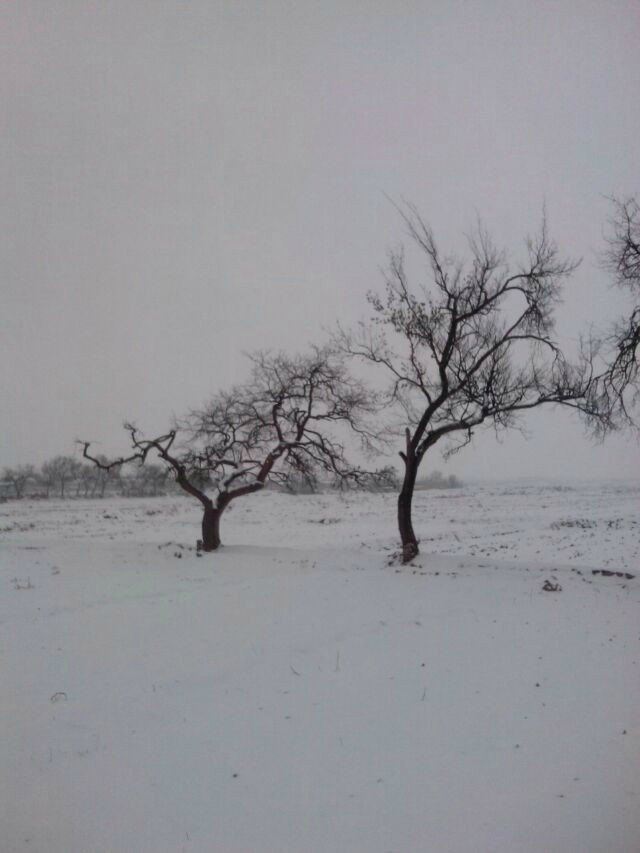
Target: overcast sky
185	181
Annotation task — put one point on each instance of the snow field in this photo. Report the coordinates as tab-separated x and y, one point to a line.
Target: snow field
300	691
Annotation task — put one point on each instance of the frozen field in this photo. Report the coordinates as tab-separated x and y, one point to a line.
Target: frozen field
299	691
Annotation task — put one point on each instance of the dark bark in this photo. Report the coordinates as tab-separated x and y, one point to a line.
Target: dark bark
405	498
211	528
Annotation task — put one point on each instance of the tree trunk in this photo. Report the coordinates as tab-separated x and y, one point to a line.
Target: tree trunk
211	528
407	536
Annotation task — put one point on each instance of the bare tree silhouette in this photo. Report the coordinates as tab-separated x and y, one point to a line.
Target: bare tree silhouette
616	392
19	477
60	471
473	346
284	421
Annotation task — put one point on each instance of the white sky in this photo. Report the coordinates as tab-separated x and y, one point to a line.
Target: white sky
185	181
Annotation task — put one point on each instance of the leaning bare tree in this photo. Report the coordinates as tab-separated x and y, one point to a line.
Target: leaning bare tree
286	420
474	346
617	389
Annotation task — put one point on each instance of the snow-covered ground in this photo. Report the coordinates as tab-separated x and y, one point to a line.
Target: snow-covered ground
299	691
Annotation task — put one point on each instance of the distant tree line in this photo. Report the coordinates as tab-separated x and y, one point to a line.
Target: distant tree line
438	480
68	477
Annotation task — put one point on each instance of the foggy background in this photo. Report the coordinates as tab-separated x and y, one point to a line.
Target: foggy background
185	181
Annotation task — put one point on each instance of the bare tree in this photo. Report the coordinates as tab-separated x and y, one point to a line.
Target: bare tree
284	421
19	477
45	480
617	389
60	471
92	481
148	480
474	346
85	480
104	477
